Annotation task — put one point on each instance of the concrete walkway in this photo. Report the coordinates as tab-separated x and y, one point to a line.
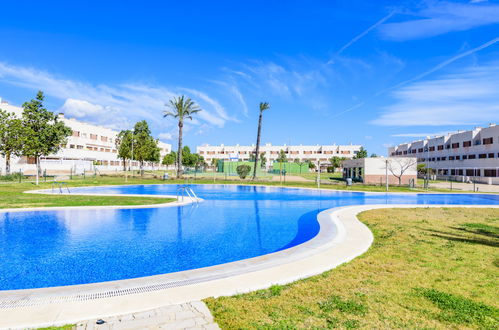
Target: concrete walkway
480	187
193	315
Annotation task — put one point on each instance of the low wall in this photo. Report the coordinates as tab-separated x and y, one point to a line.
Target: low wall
392	180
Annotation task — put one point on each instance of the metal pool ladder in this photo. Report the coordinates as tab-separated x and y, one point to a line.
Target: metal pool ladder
186	190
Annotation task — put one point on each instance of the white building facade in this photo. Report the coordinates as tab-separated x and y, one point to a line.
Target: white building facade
462	156
315	154
89	148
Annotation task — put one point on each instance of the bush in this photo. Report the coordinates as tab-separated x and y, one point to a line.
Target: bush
243	171
12	177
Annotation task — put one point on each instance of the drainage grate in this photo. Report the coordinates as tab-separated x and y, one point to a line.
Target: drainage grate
35	301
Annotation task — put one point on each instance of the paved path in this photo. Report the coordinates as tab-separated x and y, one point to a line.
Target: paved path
466	186
193	315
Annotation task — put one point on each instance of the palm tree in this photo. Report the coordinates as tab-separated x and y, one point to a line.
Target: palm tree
182	108
263	106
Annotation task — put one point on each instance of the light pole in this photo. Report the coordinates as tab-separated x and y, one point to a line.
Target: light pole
386	174
428	164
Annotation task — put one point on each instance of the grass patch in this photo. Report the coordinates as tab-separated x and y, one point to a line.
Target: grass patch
423	271
344	306
461	310
64	327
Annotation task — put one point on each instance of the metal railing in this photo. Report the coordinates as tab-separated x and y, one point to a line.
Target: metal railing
60	185
186	190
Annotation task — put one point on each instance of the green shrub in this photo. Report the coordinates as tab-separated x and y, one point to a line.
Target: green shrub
12	177
243	171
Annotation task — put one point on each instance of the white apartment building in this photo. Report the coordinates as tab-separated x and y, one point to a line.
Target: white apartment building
315	154
90	148
461	156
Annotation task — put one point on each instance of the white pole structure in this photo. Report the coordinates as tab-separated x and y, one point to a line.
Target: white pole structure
386	174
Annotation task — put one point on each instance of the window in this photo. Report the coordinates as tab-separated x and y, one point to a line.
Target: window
79	147
478	142
451	157
447	146
467	144
491	173
76	133
482	156
432	148
491	155
488	141
420	150
471	156
413	151
469	172
444	158
71	146
458	157
455	145
438	159
345	152
465	157
93	136
460	172
441	147
103	138
405	152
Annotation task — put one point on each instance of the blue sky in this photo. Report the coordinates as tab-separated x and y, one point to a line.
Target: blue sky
374	73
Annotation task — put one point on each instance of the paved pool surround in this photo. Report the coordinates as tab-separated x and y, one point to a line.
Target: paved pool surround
341	238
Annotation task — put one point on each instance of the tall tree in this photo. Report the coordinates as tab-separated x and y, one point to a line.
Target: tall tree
263	106
181	108
145	146
282	158
263	159
11	137
124	146
336	162
362	153
43	133
170	158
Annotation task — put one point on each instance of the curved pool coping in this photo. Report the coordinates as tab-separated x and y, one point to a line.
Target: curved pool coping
341	238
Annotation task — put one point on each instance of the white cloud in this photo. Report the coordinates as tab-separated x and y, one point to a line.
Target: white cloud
415	135
439	17
466	98
365	32
116	106
165	136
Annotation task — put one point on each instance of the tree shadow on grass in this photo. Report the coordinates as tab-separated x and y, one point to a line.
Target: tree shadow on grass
456	237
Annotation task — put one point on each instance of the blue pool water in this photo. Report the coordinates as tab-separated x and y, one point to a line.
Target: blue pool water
66	247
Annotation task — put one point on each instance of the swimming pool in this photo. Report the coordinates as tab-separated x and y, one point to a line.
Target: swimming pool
66	247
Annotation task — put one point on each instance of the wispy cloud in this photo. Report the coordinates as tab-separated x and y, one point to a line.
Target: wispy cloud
440	17
443	64
365	32
420	76
115	106
422	135
468	97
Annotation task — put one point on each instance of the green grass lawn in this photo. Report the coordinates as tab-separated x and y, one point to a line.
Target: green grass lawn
427	269
12	196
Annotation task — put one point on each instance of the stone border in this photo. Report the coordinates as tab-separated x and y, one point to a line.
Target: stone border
341	238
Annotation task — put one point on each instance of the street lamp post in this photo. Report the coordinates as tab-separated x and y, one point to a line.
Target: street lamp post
386	174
